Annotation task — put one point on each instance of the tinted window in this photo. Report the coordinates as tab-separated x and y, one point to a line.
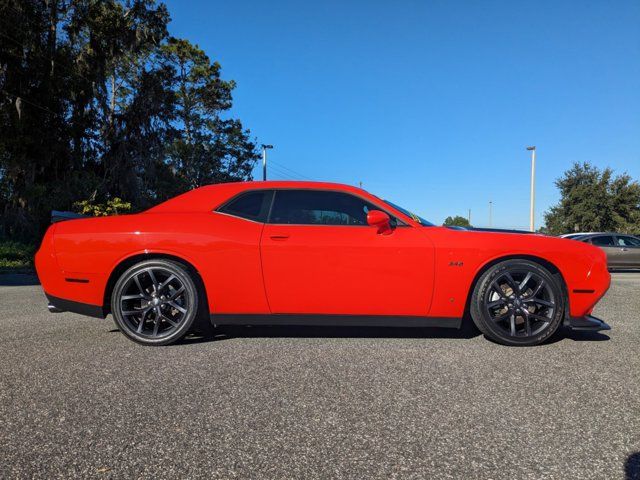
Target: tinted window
252	205
628	242
604	241
313	207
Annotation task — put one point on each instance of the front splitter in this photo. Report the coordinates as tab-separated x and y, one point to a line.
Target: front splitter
588	322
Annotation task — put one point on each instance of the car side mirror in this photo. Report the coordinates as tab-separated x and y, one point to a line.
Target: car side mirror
379	220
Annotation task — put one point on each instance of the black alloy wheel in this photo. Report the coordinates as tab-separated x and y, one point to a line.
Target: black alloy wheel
155	302
517	302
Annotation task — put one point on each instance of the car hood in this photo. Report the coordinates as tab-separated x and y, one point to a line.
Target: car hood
496	230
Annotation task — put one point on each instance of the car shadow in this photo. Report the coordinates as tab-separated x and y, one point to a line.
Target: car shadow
466	332
228	332
632	467
565	333
18	279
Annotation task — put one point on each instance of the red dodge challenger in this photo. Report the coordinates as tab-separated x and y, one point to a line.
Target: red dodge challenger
309	253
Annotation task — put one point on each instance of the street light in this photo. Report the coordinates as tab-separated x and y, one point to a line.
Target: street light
490	213
264	160
533	187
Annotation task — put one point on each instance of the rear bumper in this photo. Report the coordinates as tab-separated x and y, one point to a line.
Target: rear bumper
587	322
83	287
57	305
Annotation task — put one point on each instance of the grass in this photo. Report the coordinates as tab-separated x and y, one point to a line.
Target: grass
16	256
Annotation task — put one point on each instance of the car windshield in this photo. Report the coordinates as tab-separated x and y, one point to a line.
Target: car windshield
413	216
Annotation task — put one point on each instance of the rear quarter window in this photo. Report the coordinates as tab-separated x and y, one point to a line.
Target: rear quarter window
249	205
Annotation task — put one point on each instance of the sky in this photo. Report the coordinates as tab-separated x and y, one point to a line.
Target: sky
431	104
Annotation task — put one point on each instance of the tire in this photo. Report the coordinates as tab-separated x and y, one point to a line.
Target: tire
155	302
517	302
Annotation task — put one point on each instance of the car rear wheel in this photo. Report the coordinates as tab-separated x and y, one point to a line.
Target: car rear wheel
155	302
517	302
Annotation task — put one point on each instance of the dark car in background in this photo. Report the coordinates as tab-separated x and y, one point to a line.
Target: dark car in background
623	251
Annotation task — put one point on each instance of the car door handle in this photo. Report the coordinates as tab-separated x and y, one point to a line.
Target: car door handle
279	237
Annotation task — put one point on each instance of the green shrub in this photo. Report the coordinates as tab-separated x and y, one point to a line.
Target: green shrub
112	206
16	255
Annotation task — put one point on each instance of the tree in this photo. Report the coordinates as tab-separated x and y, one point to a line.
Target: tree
98	102
456	221
33	112
207	148
594	200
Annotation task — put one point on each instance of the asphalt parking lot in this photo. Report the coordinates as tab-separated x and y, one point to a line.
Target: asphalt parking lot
77	399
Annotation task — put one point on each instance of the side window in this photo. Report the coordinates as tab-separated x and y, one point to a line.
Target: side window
251	205
628	242
603	241
316	207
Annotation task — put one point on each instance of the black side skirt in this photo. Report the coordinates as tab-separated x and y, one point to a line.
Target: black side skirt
65	305
335	320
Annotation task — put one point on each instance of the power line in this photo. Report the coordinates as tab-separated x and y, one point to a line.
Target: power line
291	170
288	173
285	175
22	99
15	10
282	173
279	174
58	65
42	56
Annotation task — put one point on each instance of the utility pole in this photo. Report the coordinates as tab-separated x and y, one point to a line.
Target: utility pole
469	217
264	160
533	188
360	184
490	213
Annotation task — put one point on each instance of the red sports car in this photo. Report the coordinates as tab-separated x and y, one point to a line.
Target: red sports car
309	253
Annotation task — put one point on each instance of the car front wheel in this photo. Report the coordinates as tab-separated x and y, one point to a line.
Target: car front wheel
517	302
155	302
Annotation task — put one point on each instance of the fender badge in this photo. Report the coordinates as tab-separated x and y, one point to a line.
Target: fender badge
456	264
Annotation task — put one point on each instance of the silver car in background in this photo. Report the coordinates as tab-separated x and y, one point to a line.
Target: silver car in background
573	236
623	251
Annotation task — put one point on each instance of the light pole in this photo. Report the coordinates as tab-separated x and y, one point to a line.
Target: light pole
264	160
490	213
533	187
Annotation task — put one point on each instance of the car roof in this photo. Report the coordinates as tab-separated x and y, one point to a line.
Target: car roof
604	234
601	233
208	197
578	233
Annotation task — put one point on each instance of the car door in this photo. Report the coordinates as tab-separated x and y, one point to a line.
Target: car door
319	256
629	251
231	251
607	243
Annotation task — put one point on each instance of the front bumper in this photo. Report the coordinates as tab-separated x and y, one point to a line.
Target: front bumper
588	322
